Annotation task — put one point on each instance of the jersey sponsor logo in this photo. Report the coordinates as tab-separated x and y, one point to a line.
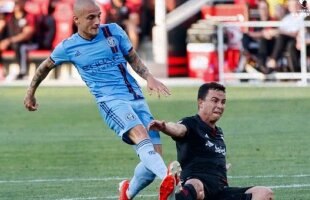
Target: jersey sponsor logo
217	149
112	42
103	64
220	150
209	144
130	117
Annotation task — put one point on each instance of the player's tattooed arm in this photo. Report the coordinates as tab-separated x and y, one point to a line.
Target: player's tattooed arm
137	64
153	85
44	68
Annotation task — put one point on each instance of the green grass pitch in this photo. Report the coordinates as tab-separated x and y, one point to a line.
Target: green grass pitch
64	151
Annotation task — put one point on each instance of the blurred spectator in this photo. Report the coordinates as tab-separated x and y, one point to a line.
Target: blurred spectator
273	6
295	47
20	28
260	40
47	28
126	14
2	25
2	35
288	29
6	6
63	15
147	18
279	12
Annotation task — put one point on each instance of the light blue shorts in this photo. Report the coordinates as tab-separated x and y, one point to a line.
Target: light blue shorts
121	116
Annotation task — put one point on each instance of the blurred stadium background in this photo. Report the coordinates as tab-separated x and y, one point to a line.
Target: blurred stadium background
195	39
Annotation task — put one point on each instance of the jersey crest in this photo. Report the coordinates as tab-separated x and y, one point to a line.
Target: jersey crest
112	42
130	117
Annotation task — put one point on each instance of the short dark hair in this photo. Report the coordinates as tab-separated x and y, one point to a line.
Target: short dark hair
204	89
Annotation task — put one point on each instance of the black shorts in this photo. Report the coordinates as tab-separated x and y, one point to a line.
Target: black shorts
216	188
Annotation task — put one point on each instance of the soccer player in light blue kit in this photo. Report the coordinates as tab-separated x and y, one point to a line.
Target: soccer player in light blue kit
100	54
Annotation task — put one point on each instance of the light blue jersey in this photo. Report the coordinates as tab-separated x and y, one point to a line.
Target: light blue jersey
102	66
101	63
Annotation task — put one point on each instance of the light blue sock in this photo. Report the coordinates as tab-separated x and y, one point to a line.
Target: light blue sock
151	159
141	179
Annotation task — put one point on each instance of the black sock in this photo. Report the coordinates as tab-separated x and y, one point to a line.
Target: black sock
188	192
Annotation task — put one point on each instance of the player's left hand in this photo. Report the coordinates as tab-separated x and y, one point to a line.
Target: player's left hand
154	85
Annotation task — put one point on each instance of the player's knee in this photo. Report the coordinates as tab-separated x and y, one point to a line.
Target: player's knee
137	134
268	193
198	185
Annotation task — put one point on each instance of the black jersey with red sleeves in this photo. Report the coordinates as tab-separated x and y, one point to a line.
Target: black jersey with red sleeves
203	149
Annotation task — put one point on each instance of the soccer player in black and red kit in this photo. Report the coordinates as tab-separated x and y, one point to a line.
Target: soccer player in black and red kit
201	152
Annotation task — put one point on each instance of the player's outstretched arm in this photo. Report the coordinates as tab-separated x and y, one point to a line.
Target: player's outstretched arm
44	68
153	85
169	128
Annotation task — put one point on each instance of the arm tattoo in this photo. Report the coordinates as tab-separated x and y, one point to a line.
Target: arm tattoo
136	64
44	68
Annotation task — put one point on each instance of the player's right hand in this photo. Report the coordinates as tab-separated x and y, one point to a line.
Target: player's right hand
30	103
157	125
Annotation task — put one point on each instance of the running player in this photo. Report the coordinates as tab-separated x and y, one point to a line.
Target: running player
201	151
100	53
